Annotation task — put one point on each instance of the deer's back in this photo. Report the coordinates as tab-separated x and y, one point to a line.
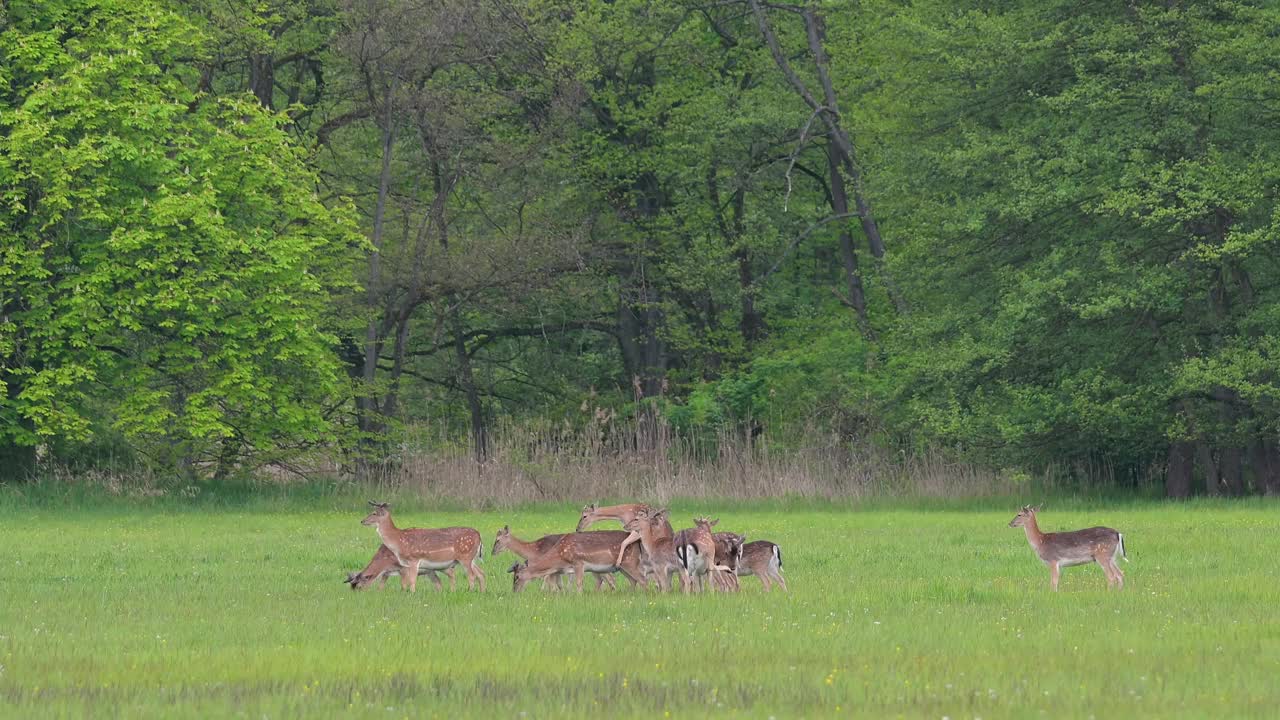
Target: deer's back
757	555
440	542
1077	545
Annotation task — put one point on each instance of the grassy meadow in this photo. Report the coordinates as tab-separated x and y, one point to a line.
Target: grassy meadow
191	609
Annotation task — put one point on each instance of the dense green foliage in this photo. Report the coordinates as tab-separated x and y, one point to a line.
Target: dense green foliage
205	612
1031	234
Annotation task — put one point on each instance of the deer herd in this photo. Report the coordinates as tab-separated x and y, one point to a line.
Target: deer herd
648	549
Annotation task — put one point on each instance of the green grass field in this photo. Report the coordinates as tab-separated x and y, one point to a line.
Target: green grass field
175	610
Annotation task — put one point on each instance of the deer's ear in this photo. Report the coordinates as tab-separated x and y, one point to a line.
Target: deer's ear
506	528
715	522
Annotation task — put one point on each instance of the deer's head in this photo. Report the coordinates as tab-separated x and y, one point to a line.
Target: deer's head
735	543
519	576
1025	515
587	517
705	523
501	539
380	510
358	581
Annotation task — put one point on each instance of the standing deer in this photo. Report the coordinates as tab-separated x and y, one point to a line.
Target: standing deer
530	550
729	556
1078	547
434	549
581	553
655	536
764	560
697	553
622	513
383	565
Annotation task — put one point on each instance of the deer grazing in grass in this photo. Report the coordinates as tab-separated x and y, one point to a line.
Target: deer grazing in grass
383	565
434	549
1077	547
653	533
531	550
591	514
581	553
764	560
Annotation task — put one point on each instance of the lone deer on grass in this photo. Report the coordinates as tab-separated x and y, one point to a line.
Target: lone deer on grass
1078	547
591	514
531	550
581	553
433	549
384	565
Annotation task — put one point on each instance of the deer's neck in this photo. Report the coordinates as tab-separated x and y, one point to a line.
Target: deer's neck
390	535
526	550
1034	536
655	545
625	513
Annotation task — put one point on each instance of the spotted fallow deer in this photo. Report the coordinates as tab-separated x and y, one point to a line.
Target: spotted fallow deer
383	565
653	533
434	549
1077	547
697	553
530	550
584	552
591	514
764	560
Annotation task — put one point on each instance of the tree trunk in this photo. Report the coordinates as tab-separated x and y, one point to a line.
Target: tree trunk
848	255
367	403
1264	457
644	354
1204	455
1177	478
262	78
466	381
1231	466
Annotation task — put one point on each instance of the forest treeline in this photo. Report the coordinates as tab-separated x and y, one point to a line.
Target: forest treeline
1024	233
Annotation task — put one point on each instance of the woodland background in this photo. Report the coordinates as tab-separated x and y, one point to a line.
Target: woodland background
722	246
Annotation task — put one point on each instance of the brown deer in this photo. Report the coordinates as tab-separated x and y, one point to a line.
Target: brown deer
383	565
764	560
1077	547
581	553
434	549
655	536
530	550
591	514
697	553
729	556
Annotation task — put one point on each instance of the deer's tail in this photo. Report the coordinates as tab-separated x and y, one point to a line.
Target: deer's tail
1120	547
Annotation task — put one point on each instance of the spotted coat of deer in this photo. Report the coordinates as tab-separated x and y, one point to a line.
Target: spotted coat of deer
434	549
764	560
383	565
581	553
592	514
531	550
1077	547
